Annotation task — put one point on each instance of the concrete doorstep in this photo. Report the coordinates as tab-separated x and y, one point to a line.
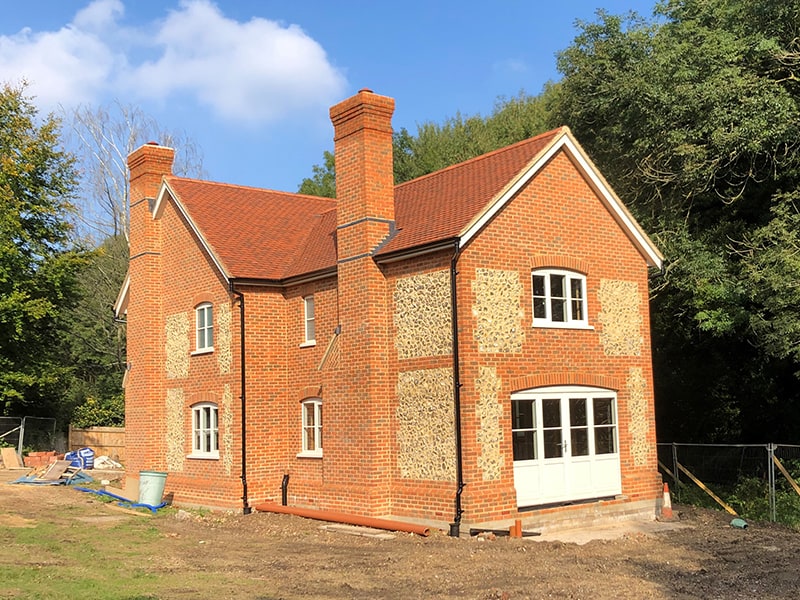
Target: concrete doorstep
608	531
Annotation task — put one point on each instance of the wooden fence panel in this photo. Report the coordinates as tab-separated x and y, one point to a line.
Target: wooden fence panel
105	441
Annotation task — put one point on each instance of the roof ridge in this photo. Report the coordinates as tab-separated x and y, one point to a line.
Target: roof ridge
480	157
248	187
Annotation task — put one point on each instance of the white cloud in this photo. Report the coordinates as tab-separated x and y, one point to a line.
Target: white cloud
68	66
99	15
251	71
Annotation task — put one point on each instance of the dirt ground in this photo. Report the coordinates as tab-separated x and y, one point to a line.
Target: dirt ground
293	557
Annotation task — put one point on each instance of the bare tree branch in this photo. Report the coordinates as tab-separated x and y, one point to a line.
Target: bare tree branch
102	138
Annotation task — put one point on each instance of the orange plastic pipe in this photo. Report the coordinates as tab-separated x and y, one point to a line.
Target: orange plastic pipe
338	517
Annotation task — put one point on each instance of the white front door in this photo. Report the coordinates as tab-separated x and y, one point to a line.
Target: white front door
565	444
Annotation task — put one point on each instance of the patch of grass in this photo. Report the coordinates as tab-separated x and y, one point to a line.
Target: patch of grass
68	555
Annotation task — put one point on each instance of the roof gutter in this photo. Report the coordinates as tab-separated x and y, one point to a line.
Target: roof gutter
243	397
414	252
455	526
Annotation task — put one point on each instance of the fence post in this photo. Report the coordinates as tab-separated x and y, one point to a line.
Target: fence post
771	477
676	470
21	436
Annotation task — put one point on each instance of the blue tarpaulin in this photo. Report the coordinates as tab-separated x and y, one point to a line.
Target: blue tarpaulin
125	502
77	478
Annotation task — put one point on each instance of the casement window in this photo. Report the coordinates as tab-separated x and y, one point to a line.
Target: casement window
559	299
312	427
204	316
557	424
308	322
205	431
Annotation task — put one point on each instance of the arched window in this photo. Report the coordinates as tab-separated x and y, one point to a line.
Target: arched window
204	314
312	427
205	430
559	299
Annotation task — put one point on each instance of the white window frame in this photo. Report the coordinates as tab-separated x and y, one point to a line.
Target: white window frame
204	328
566	445
311	432
205	431
309	323
569	299
536	429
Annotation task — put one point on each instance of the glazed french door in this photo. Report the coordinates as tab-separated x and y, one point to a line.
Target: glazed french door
566	444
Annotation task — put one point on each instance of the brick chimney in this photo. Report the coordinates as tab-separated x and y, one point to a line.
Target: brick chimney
145	390
147	166
364	172
358	399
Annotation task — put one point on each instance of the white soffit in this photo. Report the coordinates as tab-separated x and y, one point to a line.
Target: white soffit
121	304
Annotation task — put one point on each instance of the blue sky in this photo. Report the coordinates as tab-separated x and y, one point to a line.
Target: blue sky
251	81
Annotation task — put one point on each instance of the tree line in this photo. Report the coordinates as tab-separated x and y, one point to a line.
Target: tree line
691	113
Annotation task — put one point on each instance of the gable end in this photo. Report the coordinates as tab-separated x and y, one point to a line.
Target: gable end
164	194
589	172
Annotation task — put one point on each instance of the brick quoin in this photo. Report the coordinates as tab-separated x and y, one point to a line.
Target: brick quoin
555	220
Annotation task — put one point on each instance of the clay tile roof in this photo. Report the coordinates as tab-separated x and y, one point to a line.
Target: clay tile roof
254	233
319	250
438	206
265	234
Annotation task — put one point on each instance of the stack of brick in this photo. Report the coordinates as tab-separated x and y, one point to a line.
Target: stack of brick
40	459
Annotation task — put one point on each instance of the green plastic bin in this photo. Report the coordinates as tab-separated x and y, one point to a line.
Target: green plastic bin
151	487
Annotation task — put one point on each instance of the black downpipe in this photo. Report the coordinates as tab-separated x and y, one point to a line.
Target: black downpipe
455	526
285	490
245	507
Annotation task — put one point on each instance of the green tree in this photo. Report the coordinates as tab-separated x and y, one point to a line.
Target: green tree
93	344
37	265
461	138
693	117
771	264
323	181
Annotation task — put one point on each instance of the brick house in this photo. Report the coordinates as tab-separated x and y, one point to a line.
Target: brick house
477	339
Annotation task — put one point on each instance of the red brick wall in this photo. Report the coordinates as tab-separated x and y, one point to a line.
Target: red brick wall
555	218
357	410
188	280
555	215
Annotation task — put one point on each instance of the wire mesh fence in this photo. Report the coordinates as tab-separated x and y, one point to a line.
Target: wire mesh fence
29	433
757	481
10	430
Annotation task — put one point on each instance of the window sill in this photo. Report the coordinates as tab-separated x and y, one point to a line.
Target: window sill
312	454
204	456
309	344
203	351
562	326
